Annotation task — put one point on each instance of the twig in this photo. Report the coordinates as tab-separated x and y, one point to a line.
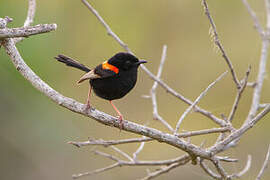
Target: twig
76	176
265	164
238	96
107	27
267	7
184	99
236	134
261	72
166	169
245	170
122	153
29	18
209	171
218	43
26	31
202	132
197	101
140	148
256	22
109	142
153	92
220	169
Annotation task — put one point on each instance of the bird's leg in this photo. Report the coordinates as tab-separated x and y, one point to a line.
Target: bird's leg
88	98
120	116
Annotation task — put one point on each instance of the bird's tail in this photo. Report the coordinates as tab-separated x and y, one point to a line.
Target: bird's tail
70	62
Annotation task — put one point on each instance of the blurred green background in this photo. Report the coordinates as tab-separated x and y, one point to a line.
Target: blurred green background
34	130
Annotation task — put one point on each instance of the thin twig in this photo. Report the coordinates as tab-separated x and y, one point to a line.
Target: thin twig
253	15
153	92
239	132
262	68
76	176
184	99
265	164
202	132
245	170
238	96
208	170
29	18
122	153
140	148
218	43
197	101
109	142
166	169
107	27
220	169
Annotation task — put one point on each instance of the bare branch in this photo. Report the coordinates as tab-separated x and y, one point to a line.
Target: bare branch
220	169
267	7
109	142
265	164
185	100
30	13
209	171
153	92
135	154
29	18
256	22
26	31
166	169
218	43
262	67
122	153
197	101
76	176
236	134
203	132
4	21
107	27
245	170
238	96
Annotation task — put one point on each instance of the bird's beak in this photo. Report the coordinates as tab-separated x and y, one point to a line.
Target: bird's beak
141	62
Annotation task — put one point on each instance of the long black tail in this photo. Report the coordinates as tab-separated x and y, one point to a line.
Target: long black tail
70	62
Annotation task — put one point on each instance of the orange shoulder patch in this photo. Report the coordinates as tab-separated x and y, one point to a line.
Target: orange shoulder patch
108	66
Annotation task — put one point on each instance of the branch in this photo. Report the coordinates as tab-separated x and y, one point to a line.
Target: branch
265	164
239	132
238	96
245	170
218	43
26	31
196	102
256	22
107	27
202	132
29	18
153	92
109	142
209	171
261	72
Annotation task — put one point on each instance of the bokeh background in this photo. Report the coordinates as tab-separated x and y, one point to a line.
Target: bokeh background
34	130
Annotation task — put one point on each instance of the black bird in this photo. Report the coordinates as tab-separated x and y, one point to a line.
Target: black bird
112	79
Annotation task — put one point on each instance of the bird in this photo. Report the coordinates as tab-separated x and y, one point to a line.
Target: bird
110	80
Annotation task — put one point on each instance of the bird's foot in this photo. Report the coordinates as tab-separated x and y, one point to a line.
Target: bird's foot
88	107
121	124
